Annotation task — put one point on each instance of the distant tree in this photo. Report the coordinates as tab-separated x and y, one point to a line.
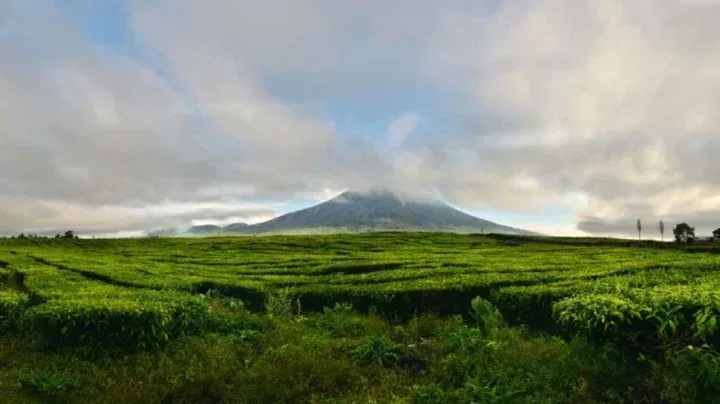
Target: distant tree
662	231
22	235
57	235
684	233
716	234
69	234
639	228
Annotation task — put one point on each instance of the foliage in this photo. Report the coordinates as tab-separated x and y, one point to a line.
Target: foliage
683	232
662	229
486	315
119	323
12	305
378	350
48	383
282	304
627	316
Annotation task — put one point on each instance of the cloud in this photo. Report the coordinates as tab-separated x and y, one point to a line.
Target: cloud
618	100
50	217
92	129
400	128
607	108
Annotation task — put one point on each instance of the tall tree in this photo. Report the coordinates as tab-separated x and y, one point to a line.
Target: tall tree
716	233
683	232
662	231
639	228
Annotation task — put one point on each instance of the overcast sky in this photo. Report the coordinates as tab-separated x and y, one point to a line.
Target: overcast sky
560	116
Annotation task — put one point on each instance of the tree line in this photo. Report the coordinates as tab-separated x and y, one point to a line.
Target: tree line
683	232
68	234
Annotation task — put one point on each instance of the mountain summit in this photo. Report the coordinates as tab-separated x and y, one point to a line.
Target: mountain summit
377	210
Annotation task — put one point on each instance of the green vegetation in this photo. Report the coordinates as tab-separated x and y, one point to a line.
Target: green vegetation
383	317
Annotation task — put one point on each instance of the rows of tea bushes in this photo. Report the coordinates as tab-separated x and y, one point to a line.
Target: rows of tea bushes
64	308
145	291
141	320
651	317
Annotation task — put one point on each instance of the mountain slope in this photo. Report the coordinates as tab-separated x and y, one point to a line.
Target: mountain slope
204	229
378	210
236	228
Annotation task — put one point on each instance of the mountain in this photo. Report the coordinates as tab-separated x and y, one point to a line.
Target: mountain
236	227
201	230
378	210
169	232
204	229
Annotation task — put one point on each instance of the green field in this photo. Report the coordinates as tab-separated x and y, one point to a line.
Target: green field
376	317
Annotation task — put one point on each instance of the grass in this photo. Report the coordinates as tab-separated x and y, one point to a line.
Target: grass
382	317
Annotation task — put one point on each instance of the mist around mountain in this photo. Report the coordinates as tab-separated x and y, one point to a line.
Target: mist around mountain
377	210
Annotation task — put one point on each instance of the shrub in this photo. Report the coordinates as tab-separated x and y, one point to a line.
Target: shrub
281	303
487	317
704	364
226	324
48	383
490	392
12	305
430	394
378	350
465	339
293	373
116	323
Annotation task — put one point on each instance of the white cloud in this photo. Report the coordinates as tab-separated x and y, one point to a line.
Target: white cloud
54	216
401	127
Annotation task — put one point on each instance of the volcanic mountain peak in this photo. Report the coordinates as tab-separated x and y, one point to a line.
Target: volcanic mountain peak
372	210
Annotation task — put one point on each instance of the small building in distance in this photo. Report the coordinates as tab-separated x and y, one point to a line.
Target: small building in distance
703	240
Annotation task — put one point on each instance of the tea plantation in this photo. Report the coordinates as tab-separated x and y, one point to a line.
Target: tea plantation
376	317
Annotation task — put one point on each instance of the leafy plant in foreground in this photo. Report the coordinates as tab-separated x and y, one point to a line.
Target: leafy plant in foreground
378	350
281	303
48	383
486	315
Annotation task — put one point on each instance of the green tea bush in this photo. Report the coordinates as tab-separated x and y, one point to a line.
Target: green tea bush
12	305
116	323
598	313
704	365
645	320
